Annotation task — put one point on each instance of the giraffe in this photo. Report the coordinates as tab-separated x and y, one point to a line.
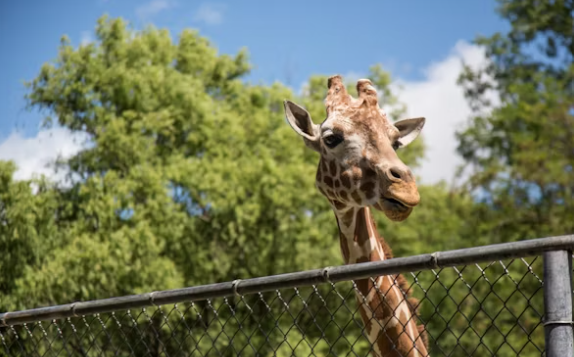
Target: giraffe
359	169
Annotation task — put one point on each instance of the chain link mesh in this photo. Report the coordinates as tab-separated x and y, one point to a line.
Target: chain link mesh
493	309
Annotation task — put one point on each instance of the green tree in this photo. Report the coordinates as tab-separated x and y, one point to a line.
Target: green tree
189	176
27	229
521	151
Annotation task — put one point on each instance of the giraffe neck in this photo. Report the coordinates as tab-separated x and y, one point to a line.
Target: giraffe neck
359	239
389	322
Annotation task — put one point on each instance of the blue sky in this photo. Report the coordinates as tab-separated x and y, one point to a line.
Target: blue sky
287	41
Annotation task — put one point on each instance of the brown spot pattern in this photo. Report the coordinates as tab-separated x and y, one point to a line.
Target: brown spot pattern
369	174
366	318
333	168
330	193
348	217
339	205
323	166
398	341
344	248
361	230
363	284
368	189
344	195
328	181
357	197
345	179
377	305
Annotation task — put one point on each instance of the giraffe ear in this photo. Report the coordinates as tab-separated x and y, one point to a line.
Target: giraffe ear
300	120
409	130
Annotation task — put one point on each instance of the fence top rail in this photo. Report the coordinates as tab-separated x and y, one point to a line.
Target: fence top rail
298	279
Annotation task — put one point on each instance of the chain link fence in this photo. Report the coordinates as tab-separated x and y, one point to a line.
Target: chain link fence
486	301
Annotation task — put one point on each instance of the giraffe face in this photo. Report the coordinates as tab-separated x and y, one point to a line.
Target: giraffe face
359	166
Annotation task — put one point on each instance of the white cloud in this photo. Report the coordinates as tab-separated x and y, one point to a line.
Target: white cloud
152	8
210	14
86	38
352	77
436	97
34	156
441	101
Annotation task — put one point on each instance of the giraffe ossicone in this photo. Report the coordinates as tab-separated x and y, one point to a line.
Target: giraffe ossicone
358	169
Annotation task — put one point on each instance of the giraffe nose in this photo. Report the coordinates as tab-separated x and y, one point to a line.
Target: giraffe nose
400	173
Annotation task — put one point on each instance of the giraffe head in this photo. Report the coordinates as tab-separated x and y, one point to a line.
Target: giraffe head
359	165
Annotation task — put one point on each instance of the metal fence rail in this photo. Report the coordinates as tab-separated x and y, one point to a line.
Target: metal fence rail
496	300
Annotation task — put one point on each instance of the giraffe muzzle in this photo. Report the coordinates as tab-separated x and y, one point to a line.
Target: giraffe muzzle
393	209
405	193
398	200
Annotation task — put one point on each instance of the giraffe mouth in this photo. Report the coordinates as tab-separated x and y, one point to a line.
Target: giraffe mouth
393	208
395	203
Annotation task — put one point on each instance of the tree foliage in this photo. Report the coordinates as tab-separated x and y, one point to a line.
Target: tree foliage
191	176
521	151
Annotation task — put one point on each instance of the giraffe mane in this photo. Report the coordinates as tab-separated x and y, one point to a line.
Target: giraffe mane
403	285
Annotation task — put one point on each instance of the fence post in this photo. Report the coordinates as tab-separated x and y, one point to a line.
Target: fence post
558	303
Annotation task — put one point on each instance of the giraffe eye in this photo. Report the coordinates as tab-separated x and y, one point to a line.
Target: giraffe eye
333	140
396	145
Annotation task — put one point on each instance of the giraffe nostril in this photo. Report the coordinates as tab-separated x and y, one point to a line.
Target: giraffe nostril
400	173
395	173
